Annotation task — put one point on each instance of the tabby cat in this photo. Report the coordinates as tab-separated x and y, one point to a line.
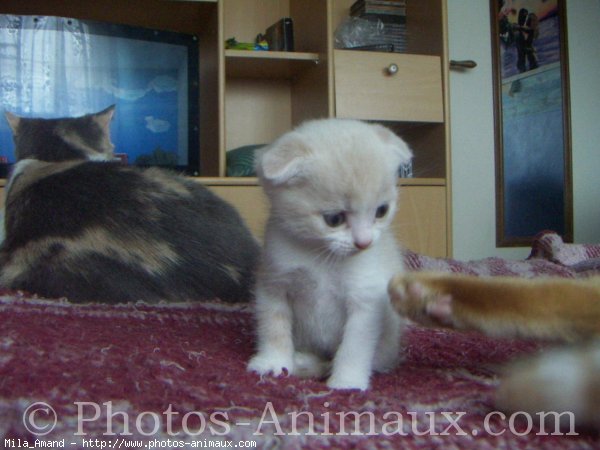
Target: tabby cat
564	380
82	226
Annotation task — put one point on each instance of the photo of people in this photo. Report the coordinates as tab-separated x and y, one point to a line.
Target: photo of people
529	34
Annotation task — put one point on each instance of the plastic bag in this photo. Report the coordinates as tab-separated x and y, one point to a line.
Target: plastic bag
355	32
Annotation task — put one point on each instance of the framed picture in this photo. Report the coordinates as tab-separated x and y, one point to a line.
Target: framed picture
532	126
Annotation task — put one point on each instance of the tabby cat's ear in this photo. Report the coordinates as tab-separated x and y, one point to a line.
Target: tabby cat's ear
283	160
104	117
13	121
398	147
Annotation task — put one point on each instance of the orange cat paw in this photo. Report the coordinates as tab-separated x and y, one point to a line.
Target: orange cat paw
413	299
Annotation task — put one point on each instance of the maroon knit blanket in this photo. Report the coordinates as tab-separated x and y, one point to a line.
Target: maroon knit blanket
174	376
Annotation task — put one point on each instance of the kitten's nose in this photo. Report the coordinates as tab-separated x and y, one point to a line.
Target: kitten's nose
362	232
363	244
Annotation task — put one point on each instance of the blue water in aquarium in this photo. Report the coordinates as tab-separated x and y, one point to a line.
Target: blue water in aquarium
56	67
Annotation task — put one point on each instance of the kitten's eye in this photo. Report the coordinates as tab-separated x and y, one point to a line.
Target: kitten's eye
334	219
382	211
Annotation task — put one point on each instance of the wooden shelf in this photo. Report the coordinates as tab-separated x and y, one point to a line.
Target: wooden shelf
228	181
422	182
266	64
253	181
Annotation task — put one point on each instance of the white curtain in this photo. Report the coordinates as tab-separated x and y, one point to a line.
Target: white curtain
47	67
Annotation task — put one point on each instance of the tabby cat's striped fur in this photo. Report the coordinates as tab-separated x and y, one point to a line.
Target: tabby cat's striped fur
81	226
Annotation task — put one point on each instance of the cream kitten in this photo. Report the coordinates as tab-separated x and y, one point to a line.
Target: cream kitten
321	299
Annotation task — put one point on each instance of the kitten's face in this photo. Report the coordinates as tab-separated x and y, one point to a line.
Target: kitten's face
332	183
86	137
343	220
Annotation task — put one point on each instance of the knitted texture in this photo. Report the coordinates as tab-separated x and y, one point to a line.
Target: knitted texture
550	246
115	372
176	373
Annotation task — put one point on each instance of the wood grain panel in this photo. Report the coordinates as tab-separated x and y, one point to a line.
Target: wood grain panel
251	203
420	222
256	111
364	89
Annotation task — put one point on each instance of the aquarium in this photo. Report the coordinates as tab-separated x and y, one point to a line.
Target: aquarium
55	67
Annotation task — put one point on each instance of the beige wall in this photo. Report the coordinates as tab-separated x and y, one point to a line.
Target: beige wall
473	133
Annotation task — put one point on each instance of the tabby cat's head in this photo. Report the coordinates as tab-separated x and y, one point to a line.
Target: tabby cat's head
85	137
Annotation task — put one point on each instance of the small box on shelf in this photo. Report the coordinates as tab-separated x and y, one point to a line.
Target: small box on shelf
280	35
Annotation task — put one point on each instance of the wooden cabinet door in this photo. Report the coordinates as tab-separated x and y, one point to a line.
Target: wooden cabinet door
388	86
250	202
420	223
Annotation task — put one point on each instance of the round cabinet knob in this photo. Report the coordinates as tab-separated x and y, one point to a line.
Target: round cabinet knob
392	69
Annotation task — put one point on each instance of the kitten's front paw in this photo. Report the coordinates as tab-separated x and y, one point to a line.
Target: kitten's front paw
412	298
271	363
337	381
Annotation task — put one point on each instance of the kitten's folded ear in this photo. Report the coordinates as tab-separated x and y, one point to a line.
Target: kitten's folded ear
395	143
283	160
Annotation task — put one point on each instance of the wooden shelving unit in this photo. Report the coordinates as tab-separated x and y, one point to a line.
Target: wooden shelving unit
251	97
